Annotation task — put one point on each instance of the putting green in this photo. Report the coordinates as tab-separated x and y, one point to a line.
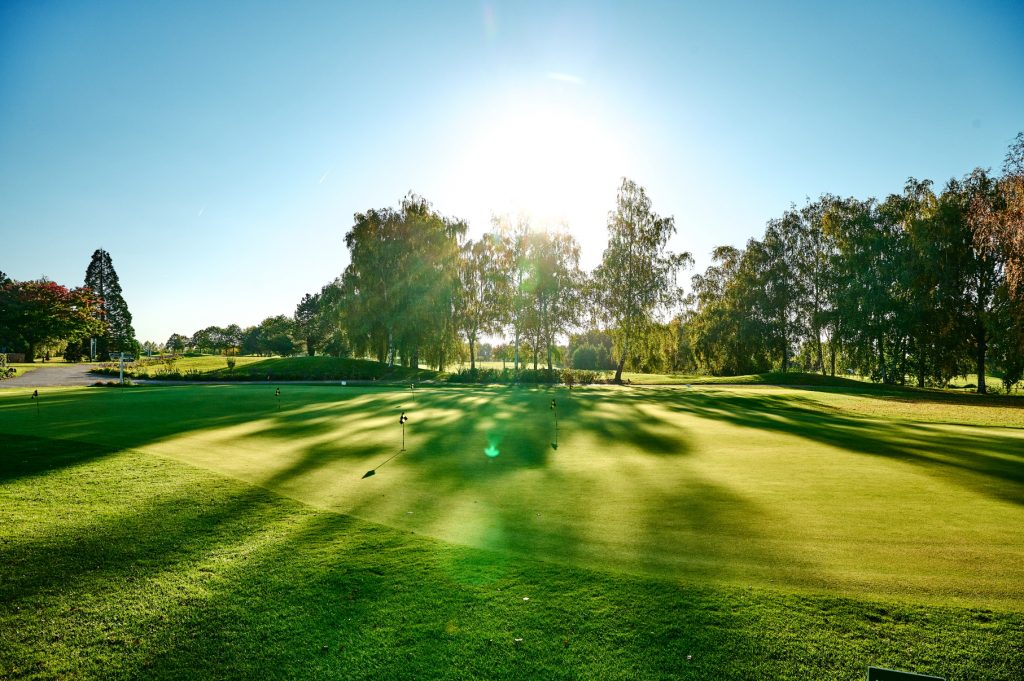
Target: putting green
794	489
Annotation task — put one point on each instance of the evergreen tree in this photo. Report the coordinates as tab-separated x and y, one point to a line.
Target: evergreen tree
101	278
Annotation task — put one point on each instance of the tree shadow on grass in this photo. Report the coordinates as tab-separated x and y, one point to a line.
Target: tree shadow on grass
286	592
30	455
988	461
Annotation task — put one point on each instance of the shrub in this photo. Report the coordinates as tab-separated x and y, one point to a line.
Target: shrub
231	363
585	357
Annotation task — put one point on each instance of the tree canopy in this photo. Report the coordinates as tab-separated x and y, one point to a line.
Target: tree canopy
637	275
102	279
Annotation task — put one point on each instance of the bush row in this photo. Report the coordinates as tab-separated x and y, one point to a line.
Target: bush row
569	377
352	372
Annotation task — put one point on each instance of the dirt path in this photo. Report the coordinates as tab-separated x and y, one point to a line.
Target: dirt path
53	375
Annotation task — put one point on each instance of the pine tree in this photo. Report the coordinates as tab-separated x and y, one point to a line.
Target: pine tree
102	279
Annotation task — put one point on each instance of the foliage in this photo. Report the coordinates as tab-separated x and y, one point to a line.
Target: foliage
37	313
177	342
919	286
400	287
246	368
480	281
102	279
273	336
637	275
310	323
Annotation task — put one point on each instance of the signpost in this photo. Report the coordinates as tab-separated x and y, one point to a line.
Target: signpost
373	471
554	409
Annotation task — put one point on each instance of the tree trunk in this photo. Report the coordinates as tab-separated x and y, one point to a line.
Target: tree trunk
618	369
30	356
472	353
821	354
832	356
920	368
881	363
515	365
982	339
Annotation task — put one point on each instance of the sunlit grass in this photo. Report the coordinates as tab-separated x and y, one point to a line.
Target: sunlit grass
770	529
121	564
252	368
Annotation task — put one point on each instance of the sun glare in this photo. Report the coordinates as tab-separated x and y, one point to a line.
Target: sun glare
553	164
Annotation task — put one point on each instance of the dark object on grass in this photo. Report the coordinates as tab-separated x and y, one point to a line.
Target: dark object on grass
879	674
373	471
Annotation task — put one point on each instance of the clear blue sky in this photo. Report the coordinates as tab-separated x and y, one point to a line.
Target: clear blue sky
219	151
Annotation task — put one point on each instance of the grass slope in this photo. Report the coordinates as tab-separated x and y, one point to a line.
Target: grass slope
115	564
248	368
765	531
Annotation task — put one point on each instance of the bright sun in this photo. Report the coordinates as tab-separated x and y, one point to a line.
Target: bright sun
554	164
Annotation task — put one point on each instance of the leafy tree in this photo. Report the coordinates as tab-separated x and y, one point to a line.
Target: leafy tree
276	333
984	265
870	265
177	342
637	275
429	284
101	277
997	217
401	283
512	297
585	357
309	322
480	281
815	265
333	312
554	289
725	337
37	313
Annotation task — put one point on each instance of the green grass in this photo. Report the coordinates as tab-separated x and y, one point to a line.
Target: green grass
765	531
249	368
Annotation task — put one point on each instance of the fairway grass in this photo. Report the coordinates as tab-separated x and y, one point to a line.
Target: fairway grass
764	531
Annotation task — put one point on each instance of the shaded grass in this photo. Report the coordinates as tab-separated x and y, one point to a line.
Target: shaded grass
118	565
249	368
776	487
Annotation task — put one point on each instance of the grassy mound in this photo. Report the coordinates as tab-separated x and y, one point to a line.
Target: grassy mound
766	532
319	368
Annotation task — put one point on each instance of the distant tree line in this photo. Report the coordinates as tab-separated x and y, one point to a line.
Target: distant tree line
417	291
920	287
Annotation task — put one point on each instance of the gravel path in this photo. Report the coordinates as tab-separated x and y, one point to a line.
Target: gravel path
53	375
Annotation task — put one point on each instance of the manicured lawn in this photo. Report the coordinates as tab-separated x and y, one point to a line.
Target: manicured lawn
250	368
765	531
